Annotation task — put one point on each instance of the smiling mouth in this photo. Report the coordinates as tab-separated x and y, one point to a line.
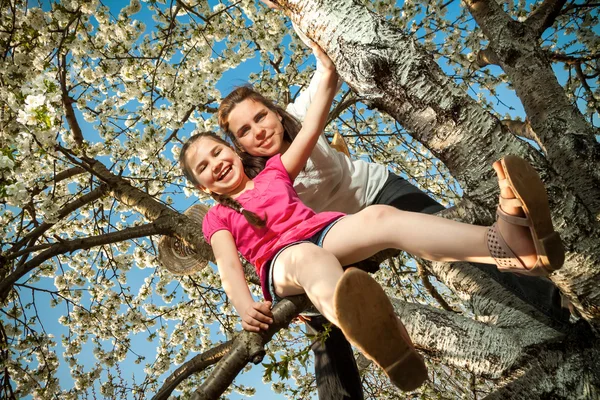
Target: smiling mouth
223	173
266	141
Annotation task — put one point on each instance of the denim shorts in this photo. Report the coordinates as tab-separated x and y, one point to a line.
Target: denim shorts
317	239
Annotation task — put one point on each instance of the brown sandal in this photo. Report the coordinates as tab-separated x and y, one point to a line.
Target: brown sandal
367	319
530	195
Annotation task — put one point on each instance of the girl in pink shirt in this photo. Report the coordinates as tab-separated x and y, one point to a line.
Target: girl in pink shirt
296	250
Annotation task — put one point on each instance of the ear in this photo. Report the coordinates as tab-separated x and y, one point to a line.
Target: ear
280	117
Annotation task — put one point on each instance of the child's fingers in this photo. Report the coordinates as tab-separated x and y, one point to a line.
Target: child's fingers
257	317
250	328
264	308
253	324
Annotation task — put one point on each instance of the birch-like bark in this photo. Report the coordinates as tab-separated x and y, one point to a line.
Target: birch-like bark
386	66
486	350
566	370
566	137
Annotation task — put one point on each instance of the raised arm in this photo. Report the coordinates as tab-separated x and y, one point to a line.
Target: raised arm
255	315
297	154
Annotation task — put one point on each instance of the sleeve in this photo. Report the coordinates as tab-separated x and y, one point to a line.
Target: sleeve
300	106
211	224
275	165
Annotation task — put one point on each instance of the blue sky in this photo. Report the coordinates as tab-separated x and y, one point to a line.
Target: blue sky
136	276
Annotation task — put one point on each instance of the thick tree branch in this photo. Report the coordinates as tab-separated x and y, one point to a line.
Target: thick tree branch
489	15
196	364
562	371
488	351
544	16
248	347
181	226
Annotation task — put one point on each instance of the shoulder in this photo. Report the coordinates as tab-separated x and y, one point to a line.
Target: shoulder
275	165
214	222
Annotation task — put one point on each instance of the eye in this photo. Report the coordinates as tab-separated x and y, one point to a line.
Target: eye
242	132
261	116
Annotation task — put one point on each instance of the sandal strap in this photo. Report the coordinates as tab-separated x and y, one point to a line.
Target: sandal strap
504	183
514	202
512	219
505	258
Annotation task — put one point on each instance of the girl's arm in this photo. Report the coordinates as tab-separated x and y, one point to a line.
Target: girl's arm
297	154
255	315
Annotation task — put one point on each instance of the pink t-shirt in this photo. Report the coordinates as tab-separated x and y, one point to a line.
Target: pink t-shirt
273	198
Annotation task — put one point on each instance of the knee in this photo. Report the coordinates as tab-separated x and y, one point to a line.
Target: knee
304	255
310	254
379	213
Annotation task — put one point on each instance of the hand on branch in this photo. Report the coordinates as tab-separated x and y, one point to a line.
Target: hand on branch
257	316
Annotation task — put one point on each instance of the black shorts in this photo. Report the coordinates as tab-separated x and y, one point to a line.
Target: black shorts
400	193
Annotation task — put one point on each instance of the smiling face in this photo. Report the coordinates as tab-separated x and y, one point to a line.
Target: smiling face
257	129
216	167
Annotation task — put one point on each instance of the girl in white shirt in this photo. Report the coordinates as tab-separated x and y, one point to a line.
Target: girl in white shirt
333	182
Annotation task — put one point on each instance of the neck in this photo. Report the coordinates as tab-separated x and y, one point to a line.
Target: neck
245	184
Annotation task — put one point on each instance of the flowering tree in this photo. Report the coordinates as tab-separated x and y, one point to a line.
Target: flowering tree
95	103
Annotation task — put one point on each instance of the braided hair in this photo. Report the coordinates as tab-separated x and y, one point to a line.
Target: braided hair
222	199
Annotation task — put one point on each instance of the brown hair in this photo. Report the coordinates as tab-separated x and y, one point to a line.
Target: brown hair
291	126
222	199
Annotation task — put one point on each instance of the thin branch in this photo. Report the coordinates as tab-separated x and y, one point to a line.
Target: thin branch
68	173
487	57
343	106
586	87
160	226
68	103
432	291
523	129
32	236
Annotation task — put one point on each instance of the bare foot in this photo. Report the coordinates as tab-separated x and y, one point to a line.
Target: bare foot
518	238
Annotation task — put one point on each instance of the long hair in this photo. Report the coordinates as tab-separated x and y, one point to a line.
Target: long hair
291	126
222	199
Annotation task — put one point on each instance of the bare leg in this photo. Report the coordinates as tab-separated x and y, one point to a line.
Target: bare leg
307	268
361	235
356	303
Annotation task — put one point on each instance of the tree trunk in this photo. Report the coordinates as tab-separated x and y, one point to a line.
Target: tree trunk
390	69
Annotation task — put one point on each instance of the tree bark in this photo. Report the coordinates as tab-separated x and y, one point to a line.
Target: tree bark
390	69
567	139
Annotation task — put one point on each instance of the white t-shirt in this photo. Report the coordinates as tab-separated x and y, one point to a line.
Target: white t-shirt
331	181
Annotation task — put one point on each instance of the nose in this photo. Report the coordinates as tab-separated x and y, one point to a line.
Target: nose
217	165
259	133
